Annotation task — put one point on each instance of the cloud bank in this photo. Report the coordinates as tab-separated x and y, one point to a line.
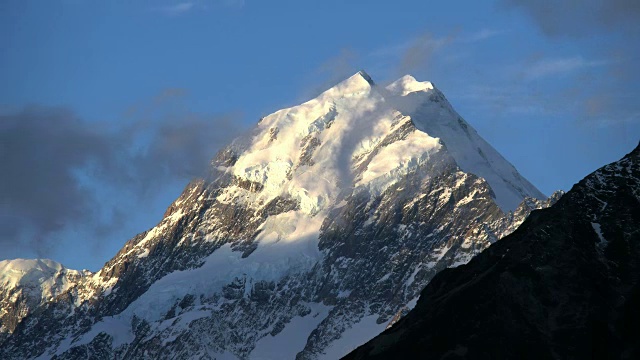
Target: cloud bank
56	166
580	18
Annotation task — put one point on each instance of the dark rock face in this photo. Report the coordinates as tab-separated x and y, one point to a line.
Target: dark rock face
308	144
564	285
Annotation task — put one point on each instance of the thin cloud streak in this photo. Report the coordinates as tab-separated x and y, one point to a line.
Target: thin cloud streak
560	66
483	34
506	100
183	8
177	9
428	40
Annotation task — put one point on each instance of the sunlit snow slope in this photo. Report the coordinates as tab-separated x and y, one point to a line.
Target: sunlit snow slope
26	284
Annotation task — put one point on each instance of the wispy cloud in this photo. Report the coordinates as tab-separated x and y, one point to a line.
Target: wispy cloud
421	52
586	105
480	35
506	99
580	18
330	72
233	3
176	9
606	109
604	91
560	66
409	56
182	8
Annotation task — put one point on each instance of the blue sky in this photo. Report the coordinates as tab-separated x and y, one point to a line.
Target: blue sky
552	85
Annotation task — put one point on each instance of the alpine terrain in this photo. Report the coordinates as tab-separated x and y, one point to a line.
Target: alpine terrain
27	284
310	236
564	285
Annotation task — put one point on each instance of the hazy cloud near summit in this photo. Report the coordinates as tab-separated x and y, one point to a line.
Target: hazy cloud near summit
419	53
56	166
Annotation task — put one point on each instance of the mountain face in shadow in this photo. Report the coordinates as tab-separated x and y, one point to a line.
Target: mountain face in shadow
564	285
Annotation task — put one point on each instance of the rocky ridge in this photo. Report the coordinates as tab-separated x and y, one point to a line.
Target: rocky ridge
564	285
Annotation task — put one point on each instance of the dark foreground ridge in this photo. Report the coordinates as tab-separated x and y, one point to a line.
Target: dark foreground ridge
564	285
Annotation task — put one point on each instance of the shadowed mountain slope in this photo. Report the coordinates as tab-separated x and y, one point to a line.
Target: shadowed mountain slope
564	285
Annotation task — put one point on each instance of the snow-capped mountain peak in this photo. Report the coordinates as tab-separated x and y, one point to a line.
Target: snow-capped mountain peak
28	283
314	232
358	83
408	84
36	273
429	111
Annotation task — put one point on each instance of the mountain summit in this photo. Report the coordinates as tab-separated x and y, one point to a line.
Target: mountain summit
312	235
